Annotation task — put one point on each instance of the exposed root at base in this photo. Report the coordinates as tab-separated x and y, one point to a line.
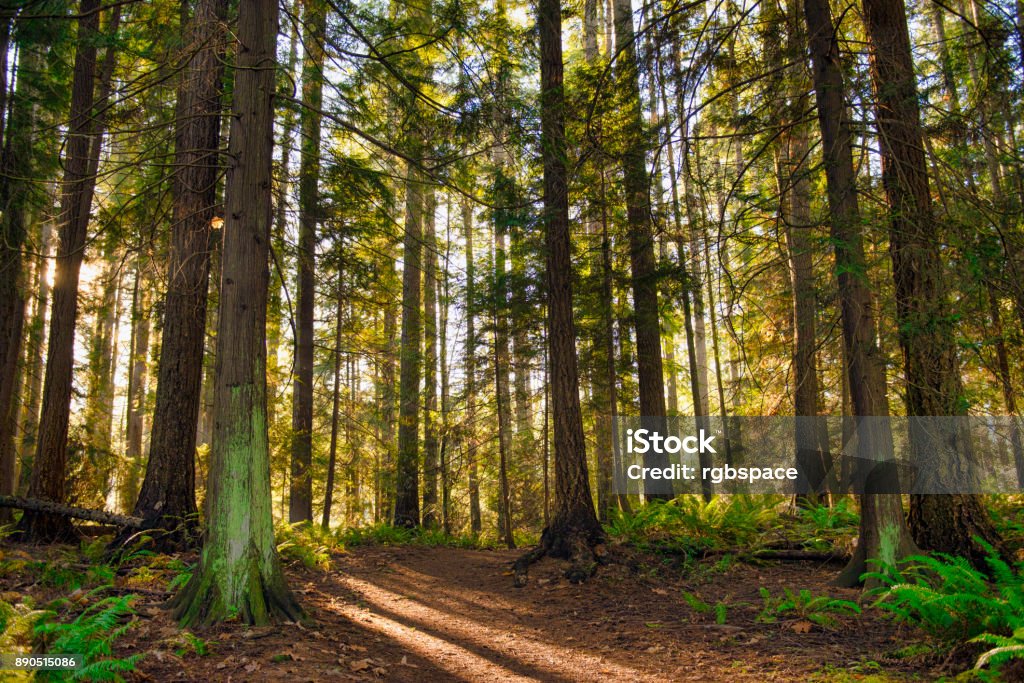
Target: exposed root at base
201	603
577	546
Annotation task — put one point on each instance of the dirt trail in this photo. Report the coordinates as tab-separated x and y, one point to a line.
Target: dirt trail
441	614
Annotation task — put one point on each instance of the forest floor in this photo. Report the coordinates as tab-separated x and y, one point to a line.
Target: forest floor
413	613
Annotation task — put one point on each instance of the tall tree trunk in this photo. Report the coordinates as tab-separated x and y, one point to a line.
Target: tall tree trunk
471	438
430	443
646	316
444	295
35	363
80	165
574	529
407	497
167	499
502	393
946	523
332	450
16	162
385	472
1006	382
239	573
811	433
138	379
275	304
300	502
603	403
99	405
884	534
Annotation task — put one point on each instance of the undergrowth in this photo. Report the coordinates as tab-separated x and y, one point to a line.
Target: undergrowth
91	634
386	534
955	603
687	525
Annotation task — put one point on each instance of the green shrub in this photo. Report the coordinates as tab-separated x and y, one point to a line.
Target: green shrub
954	602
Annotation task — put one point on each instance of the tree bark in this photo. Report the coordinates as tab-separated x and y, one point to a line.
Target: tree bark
335	404
574	529
946	523
431	516
137	386
646	315
167	499
81	161
884	534
239	573
49	507
407	503
17	164
300	503
475	524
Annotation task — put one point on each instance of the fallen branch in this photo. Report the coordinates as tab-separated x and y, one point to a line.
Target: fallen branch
48	506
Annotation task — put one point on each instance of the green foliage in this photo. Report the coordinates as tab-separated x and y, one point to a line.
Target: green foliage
721	611
92	634
954	602
16	624
386	534
191	644
819	609
688	525
308	544
696	603
837	517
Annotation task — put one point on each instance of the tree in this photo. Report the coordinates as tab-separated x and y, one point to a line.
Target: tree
884	534
407	503
300	506
17	165
636	181
431	513
239	573
167	499
947	523
470	370
574	530
80	166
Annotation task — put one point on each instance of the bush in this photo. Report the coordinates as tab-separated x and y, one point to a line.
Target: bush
954	602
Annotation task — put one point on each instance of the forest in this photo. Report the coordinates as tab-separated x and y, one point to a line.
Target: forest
329	328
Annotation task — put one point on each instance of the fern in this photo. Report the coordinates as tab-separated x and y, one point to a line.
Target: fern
688	524
803	604
92	634
954	602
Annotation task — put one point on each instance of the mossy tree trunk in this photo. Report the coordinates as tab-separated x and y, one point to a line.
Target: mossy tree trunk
239	574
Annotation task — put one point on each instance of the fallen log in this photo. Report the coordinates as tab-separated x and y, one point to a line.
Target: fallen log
101	516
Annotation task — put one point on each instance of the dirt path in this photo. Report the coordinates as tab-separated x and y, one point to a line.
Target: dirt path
441	614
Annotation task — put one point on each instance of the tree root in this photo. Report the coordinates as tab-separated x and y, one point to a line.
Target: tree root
201	603
578	546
